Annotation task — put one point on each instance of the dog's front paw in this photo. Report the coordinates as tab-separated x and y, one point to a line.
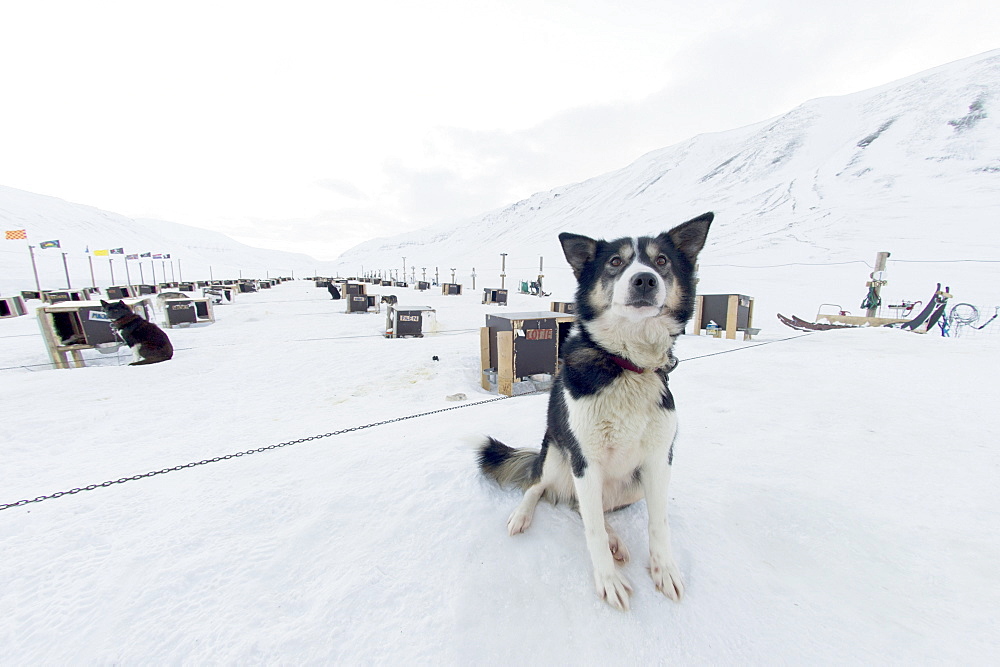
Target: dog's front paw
666	576
518	521
613	589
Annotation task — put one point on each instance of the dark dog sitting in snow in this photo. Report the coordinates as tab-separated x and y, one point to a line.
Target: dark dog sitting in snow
148	342
609	440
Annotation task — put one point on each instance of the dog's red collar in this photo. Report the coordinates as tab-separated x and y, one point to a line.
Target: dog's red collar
122	322
626	364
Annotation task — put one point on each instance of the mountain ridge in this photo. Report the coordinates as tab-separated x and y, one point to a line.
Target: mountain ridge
805	185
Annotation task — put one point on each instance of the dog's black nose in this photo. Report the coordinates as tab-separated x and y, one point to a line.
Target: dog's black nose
643	284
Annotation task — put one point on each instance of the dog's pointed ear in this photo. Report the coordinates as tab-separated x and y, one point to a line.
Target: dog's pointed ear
578	250
104	303
689	237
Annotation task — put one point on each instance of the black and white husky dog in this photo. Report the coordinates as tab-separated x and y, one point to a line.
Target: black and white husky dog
149	343
611	419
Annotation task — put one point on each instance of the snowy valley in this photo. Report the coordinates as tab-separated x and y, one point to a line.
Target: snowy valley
833	497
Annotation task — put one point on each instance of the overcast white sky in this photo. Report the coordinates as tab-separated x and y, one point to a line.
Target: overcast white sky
312	126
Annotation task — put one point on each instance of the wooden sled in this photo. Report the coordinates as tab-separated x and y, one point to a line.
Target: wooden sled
922	323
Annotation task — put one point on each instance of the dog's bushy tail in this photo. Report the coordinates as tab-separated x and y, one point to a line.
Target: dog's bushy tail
509	466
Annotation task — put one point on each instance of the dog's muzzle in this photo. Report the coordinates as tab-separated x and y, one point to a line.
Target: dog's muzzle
643	290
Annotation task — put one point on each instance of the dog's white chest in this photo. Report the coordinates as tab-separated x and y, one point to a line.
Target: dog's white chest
618	425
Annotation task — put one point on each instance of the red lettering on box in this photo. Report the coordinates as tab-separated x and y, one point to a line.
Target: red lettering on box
538	334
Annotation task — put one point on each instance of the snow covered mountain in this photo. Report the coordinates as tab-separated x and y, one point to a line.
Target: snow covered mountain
197	253
909	165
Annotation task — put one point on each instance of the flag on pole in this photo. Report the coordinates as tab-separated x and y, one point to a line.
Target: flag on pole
100	253
49	244
157	255
14	234
146	254
131	256
118	251
166	256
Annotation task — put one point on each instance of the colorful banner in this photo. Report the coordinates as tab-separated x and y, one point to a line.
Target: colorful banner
131	256
157	255
146	254
49	244
100	253
118	251
14	234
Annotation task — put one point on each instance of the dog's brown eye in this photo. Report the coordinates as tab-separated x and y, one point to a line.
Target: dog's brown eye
616	261
661	261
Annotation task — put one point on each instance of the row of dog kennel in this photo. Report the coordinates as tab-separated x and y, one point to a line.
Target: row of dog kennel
519	352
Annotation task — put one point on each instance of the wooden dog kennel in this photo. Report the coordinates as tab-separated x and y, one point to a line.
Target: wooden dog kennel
516	346
405	321
12	306
492	295
72	326
363	303
116	292
185	312
55	296
729	312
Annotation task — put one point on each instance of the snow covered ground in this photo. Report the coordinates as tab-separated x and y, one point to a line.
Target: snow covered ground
834	502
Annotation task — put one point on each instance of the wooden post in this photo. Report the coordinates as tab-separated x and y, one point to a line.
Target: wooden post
746	334
505	363
484	356
699	302
34	269
732	313
66	269
57	358
876	284
57	351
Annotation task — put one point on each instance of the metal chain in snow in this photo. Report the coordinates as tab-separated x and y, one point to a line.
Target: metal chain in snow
226	457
